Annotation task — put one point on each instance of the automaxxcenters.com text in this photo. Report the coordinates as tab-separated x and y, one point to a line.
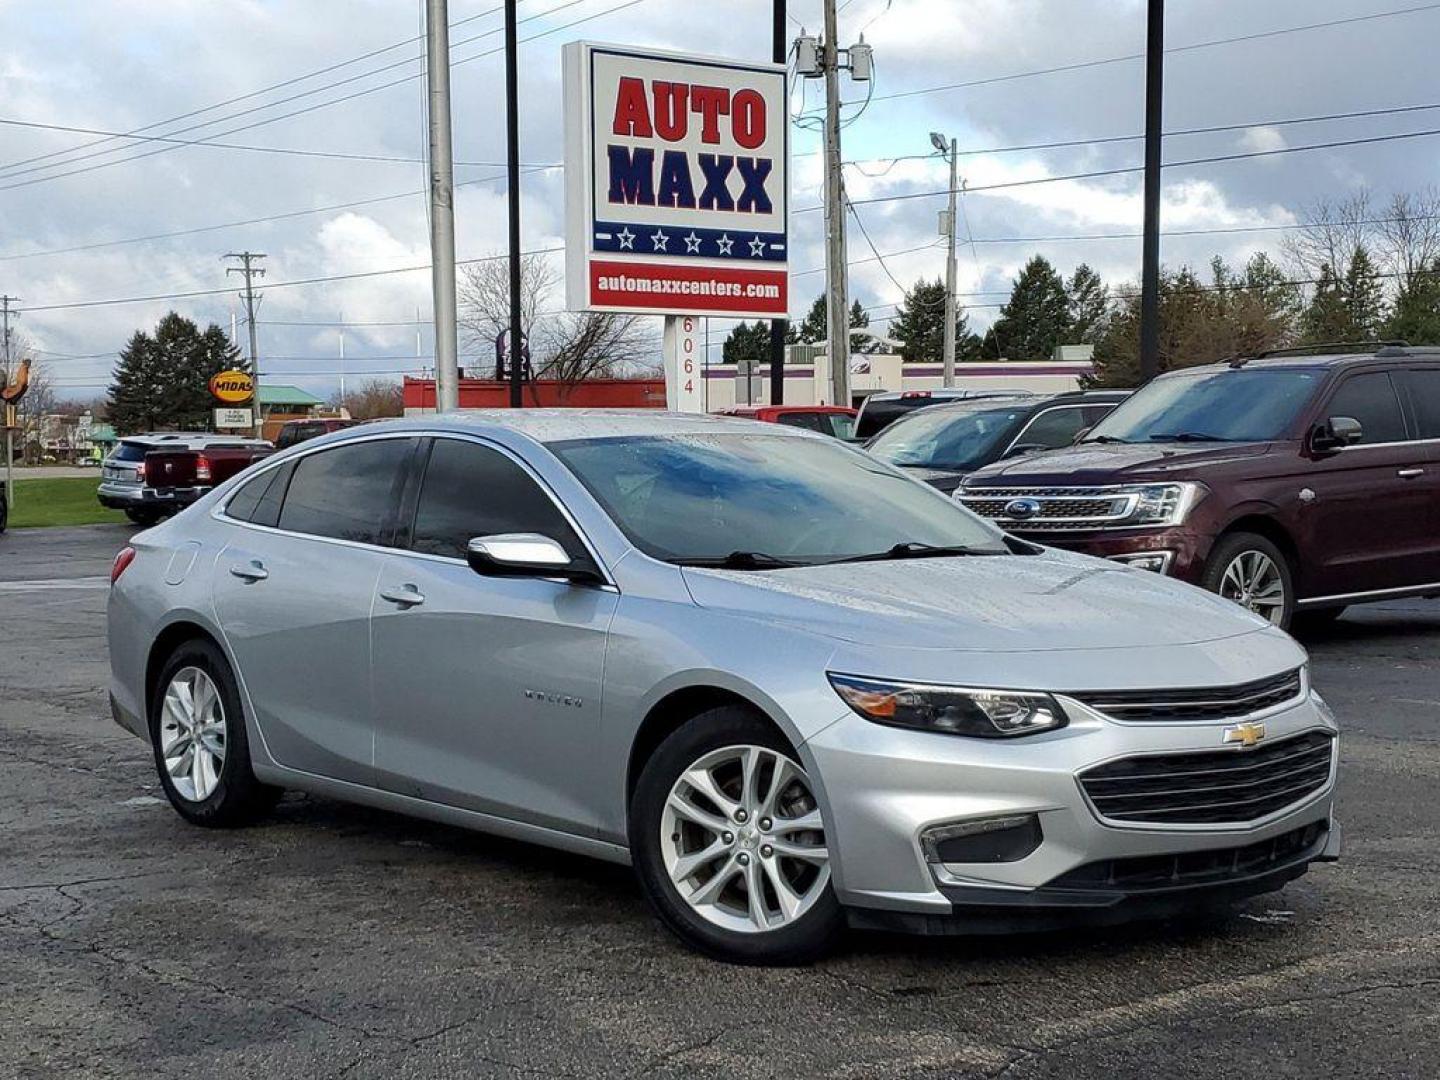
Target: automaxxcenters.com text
630	284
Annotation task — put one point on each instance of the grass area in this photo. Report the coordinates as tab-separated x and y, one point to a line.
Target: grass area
64	501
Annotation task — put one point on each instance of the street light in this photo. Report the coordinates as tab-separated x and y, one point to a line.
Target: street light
947	228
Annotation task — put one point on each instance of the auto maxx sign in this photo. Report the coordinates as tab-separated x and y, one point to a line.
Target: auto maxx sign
677	188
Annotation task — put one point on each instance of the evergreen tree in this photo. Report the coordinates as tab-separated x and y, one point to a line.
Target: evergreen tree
1327	317
748	343
815	329
1037	316
919	326
1089	306
1364	297
1416	315
162	381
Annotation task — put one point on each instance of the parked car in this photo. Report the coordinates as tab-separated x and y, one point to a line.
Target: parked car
944	443
193	462
298	431
1294	484
836	420
878	411
684	643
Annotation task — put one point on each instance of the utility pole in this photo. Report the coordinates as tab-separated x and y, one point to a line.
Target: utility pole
947	226
779	50
7	303
1150	261
248	266
442	206
836	272
342	360
512	170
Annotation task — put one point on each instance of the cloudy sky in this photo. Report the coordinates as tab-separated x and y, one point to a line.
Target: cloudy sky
82	220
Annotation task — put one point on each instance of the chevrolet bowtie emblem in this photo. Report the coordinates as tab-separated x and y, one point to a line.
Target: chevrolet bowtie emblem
1246	735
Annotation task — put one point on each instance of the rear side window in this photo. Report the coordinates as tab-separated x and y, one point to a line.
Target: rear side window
470	490
129	451
349	492
808	421
258	501
1052	428
1425	393
1371	399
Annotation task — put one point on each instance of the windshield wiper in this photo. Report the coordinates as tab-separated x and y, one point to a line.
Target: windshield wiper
1106	440
1187	436
740	560
911	550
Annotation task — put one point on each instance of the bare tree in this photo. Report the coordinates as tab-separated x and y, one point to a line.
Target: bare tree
40	399
1330	233
374	400
593	345
484	301
1408	239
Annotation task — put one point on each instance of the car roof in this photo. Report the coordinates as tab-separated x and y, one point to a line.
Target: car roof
951	392
184	438
560	425
1321	361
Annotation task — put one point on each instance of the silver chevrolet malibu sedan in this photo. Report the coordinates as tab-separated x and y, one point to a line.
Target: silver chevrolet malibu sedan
793	687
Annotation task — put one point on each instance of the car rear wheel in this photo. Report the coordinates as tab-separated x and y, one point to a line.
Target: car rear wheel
197	730
729	843
1250	570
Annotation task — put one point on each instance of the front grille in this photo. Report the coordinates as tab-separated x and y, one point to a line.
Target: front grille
1154	873
1210	704
1212	786
1058	509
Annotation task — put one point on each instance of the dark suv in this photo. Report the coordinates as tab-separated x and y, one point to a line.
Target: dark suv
943	443
1289	483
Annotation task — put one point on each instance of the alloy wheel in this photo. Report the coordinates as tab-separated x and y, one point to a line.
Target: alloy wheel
1253	581
743	841
192	734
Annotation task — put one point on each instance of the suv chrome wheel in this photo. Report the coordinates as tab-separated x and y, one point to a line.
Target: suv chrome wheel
742	839
192	734
1253	581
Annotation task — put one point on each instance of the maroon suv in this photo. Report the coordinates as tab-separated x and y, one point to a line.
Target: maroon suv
1289	483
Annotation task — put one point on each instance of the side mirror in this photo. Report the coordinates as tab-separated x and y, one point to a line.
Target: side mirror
1336	433
527	555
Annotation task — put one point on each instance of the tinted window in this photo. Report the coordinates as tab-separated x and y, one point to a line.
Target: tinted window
1052	428
129	451
1425	392
703	497
1371	399
1225	405
349	492
470	490
953	437
808	421
243	503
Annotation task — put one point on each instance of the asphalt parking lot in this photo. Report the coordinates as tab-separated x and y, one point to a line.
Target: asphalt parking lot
338	941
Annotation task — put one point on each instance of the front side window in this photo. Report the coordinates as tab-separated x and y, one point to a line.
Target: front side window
348	492
705	498
1209	405
470	490
961	437
1371	399
1053	428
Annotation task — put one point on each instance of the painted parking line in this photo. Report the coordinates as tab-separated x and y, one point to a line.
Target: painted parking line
100	581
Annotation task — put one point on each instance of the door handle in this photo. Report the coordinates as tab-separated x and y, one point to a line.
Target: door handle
1410	474
406	596
252	571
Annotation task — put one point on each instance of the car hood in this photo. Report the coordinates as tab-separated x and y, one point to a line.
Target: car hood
1020	603
1101	463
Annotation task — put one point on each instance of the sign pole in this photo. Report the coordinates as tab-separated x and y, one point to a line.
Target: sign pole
779	50
683	387
512	172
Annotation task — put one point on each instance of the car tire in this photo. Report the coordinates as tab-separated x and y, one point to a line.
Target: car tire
197	733
143	518
726	745
1251	570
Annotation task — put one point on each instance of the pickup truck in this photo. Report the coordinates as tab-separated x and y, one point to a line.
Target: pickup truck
153	476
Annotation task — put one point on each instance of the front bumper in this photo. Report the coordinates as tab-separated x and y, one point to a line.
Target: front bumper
1189	549
886	787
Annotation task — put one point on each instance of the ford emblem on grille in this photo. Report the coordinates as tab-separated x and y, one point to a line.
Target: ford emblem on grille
1021	508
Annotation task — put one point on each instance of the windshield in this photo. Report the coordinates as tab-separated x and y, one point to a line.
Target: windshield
1230	405
686	498
947	438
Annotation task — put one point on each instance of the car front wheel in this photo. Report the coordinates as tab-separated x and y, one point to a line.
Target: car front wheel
730	845
1250	570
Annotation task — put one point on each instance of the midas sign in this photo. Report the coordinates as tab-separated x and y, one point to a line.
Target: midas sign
676	178
232	387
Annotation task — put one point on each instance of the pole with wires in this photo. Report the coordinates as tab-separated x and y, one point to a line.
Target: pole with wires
779	50
953	146
1150	245
248	267
836	278
512	166
442	207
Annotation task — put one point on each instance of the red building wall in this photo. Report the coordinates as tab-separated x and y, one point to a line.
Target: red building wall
545	393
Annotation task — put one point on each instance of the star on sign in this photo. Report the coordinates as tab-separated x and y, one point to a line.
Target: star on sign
627	240
757	247
692	243
725	243
660	240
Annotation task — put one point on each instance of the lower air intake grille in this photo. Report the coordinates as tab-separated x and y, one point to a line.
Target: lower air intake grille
1211	787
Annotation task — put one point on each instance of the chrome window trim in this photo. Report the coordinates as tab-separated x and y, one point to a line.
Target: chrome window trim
218	513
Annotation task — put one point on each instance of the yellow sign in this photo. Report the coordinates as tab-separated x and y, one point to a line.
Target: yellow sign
232	387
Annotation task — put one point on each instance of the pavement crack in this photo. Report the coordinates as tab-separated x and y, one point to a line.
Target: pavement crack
665	1057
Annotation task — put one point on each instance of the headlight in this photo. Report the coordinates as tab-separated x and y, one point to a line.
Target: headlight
950	710
1164	504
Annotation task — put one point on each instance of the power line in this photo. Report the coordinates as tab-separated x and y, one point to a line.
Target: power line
318	105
